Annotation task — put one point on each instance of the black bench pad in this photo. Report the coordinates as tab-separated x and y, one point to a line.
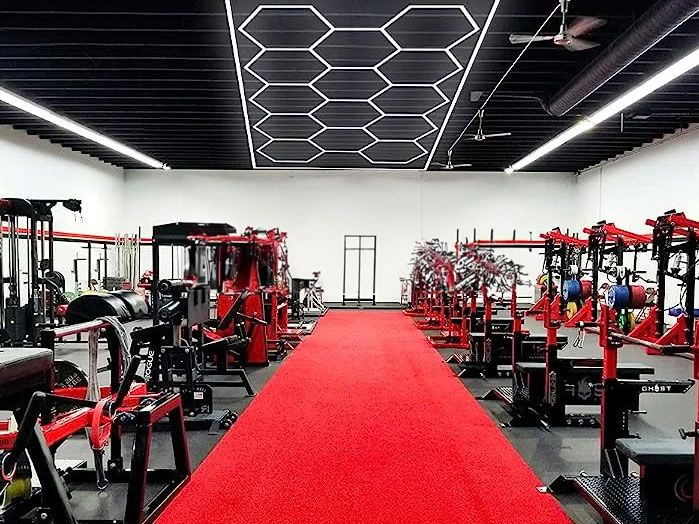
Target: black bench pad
624	368
667	451
541	339
19	363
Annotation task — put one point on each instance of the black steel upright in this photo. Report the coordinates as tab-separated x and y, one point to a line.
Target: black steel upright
359	299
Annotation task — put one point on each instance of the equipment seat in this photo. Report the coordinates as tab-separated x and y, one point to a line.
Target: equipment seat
23	371
660	452
625	369
541	339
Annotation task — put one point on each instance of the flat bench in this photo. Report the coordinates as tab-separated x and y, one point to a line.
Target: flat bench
660	452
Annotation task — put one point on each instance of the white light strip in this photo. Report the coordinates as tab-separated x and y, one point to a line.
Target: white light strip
241	86
654	83
472	60
45	114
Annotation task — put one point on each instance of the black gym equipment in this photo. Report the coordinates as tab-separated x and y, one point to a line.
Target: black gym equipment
664	492
177	358
122	304
21	322
504	343
488	353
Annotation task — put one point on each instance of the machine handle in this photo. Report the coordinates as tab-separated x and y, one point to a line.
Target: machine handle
125	385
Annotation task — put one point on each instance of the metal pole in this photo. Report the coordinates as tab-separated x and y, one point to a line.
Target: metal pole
691	281
155	249
344	270
359	272
374	286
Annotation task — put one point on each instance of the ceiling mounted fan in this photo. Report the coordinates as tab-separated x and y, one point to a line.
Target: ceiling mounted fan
568	36
449	166
480	136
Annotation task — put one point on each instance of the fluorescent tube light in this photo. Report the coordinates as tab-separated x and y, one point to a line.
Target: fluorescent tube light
45	114
654	83
567	135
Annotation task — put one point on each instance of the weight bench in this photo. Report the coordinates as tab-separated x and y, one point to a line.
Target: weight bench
22	372
661	452
663	463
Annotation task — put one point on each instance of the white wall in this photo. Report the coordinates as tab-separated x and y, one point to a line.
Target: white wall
36	168
642	185
317	208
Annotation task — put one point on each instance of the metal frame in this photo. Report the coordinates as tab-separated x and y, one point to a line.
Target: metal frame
615	494
359	249
53	498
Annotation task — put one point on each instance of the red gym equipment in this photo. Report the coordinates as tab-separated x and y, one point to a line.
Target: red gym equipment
252	271
674	235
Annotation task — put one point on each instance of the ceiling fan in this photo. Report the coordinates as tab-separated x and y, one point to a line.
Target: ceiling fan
480	136
568	36
449	166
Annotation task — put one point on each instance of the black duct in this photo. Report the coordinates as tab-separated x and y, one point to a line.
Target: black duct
654	25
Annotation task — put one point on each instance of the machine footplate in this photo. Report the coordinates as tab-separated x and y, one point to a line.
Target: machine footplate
504	394
618	500
219	419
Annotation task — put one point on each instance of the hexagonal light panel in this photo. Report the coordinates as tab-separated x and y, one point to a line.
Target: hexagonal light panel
441	27
286	66
339	48
355	113
412	100
288	126
419	67
290	151
393	152
352	84
343	140
402	127
287	99
269	28
315	92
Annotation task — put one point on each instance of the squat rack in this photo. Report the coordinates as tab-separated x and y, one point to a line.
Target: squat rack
359	298
21	322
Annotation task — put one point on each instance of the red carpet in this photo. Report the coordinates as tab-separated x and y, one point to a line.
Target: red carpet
364	423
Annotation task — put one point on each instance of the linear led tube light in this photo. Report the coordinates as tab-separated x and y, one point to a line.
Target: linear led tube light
654	83
46	114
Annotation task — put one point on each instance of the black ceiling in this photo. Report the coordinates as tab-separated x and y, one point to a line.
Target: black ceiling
161	77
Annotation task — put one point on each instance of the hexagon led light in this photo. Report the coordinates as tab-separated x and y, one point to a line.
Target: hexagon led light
369	92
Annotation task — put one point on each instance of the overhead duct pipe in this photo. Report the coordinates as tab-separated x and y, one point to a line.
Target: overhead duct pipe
654	25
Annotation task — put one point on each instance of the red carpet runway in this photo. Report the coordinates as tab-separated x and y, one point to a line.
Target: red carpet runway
364	423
